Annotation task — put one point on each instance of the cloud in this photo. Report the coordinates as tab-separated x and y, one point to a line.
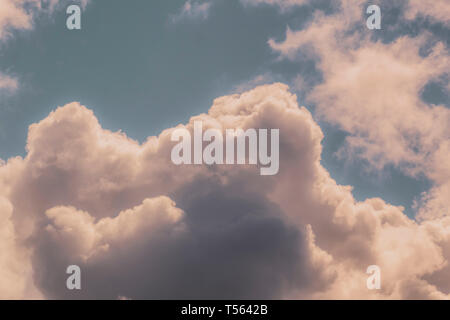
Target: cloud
437	10
16	270
193	10
367	82
258	80
282	4
141	227
13	16
8	84
20	14
79	231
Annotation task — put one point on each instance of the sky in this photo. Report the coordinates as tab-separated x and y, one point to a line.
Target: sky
167	69
85	122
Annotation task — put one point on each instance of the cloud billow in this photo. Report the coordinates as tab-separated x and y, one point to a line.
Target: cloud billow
141	227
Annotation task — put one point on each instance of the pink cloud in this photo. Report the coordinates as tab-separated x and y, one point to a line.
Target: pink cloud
8	83
367	83
97	198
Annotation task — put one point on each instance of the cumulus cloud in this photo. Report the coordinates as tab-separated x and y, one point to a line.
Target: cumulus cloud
141	227
15	267
79	231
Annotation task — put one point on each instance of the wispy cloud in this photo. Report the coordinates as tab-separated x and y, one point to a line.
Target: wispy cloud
283	5
367	82
193	10
260	79
19	15
8	84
